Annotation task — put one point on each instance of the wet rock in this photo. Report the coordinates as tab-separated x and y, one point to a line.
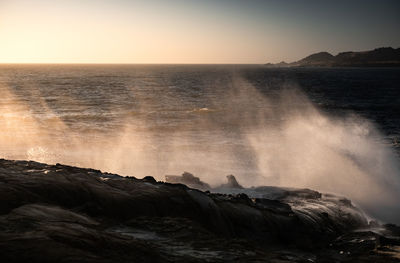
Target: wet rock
274	205
232	183
187	179
44	233
149	179
61	213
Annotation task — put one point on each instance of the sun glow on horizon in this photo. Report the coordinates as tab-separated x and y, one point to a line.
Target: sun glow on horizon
153	32
50	34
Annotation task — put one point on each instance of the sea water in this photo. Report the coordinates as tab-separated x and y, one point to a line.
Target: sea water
330	129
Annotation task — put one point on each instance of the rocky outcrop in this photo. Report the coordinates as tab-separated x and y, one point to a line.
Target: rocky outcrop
187	179
61	213
232	183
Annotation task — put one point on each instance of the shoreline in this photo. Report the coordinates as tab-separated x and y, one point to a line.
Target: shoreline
53	212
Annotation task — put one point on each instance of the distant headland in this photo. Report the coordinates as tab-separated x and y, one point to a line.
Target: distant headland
379	57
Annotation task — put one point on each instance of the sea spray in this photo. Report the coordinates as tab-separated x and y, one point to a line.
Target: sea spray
277	137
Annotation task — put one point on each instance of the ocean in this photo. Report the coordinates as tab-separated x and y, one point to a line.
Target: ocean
324	128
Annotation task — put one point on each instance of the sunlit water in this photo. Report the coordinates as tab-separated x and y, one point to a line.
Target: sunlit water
334	130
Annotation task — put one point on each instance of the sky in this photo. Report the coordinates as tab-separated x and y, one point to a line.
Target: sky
191	31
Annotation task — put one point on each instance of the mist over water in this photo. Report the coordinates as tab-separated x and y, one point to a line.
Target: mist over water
328	130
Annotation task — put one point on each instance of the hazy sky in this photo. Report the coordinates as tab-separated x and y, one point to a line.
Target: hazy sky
191	31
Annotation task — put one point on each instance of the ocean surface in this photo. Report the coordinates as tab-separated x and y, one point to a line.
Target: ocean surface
296	126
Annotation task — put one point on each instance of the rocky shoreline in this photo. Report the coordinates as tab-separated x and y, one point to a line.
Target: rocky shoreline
61	213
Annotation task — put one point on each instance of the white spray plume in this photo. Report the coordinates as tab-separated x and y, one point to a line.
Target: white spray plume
281	140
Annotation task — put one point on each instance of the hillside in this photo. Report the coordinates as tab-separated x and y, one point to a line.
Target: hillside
379	57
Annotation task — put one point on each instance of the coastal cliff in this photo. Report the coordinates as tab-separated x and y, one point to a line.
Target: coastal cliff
61	213
379	57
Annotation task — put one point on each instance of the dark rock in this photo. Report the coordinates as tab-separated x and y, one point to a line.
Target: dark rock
61	213
274	205
232	183
149	179
187	179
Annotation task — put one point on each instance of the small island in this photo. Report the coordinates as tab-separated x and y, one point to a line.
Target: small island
379	57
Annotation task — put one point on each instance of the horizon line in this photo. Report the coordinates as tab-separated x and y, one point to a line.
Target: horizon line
115	63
